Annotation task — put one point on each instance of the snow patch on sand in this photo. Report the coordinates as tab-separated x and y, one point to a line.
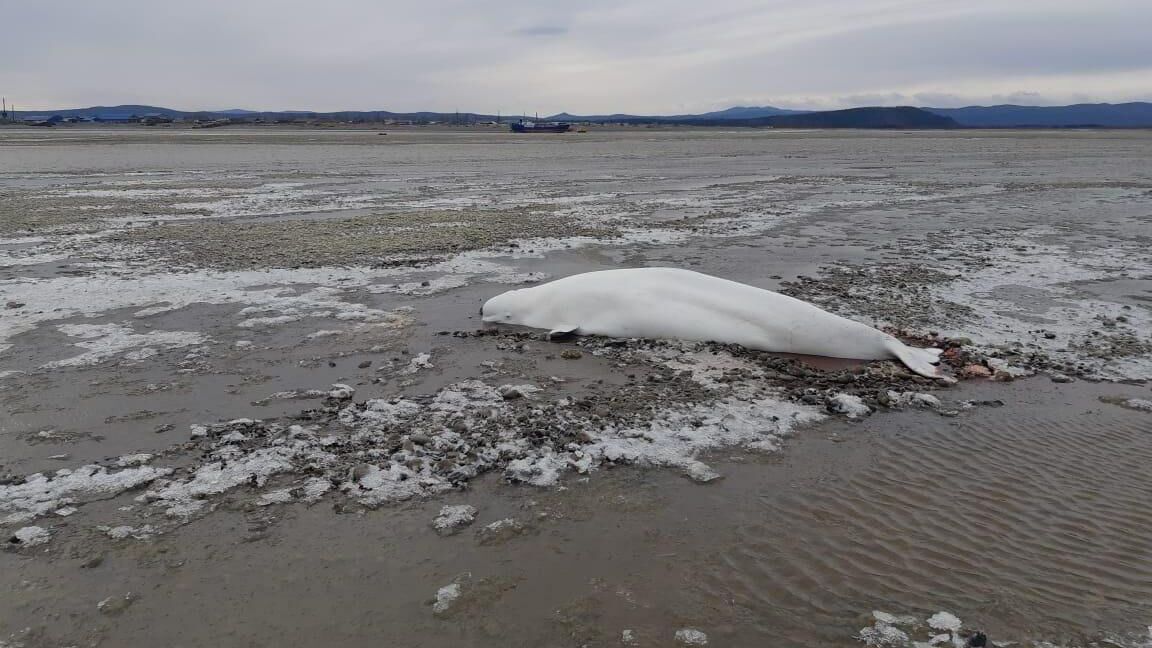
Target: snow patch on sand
40	494
676	436
454	517
182	497
691	637
1077	328
31	536
445	597
849	405
104	341
419	362
124	532
265	298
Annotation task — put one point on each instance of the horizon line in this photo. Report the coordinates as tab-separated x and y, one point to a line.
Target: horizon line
14	108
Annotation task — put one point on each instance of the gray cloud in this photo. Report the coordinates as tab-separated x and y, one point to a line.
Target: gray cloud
542	30
648	56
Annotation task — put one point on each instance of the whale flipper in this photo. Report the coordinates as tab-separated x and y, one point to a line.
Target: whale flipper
921	361
563	331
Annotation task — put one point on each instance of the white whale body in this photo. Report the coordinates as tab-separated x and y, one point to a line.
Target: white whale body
680	304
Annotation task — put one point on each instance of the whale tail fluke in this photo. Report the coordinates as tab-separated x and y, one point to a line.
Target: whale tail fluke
922	361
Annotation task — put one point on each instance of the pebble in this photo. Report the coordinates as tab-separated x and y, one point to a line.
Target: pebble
975	371
115	605
572	354
365	364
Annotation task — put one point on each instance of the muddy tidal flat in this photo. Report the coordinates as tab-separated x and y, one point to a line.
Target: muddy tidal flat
246	398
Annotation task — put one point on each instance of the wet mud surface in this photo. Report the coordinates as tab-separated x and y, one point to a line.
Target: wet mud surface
242	386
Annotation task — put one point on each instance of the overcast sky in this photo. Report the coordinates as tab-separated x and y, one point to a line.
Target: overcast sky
593	56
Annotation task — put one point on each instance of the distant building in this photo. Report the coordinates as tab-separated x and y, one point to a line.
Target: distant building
40	120
152	119
115	118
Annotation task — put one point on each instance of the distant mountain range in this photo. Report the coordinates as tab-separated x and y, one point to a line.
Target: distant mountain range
873	117
1100	115
1125	115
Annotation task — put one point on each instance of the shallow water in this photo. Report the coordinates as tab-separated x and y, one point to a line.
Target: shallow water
1029	522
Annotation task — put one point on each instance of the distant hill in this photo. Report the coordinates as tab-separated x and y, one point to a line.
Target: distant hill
751	112
895	117
875	117
738	112
1125	115
128	111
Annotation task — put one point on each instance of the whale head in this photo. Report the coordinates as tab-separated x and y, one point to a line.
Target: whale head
506	308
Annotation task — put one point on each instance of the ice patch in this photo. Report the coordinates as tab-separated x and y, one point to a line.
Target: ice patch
421	361
540	469
393	483
315	488
298	394
913	399
282	496
265	298
452	518
691	637
184	496
884	633
675	437
341	391
944	621
30	536
124	532
705	368
40	494
445	597
322	334
849	405
139	459
1138	404
104	341
1077	328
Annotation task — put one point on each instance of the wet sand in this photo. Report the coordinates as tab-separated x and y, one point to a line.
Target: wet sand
1024	513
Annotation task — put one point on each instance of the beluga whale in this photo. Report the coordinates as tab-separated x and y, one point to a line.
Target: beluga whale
672	303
